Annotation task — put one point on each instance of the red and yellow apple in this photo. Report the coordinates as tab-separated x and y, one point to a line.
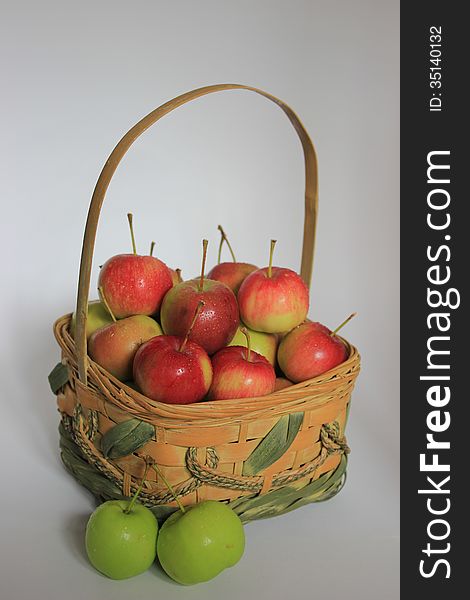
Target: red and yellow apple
241	373
309	350
231	273
218	320
173	369
273	299
167	373
114	346
134	284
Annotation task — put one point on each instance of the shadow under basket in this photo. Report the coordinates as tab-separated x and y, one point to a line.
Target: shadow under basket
264	456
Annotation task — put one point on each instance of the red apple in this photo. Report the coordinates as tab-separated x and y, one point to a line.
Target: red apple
218	320
309	350
134	284
231	273
115	345
273	299
241	373
173	369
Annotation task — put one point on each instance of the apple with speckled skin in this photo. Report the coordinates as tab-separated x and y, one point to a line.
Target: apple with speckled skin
115	345
232	274
218	320
241	373
121	539
196	545
172	369
273	299
309	350
134	284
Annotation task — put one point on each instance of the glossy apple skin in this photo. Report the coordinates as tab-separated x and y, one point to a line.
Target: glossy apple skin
231	273
98	316
262	343
236	377
134	285
217	322
273	304
114	346
197	545
118	544
308	351
166	374
282	383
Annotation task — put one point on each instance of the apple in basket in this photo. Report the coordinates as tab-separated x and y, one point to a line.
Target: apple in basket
282	383
172	369
262	343
311	349
114	346
98	316
134	284
231	273
273	299
241	373
218	320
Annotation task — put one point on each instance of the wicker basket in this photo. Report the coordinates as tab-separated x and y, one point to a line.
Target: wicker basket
264	456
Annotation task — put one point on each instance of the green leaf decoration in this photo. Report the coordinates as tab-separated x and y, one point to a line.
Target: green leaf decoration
288	498
58	377
248	508
274	444
84	473
126	437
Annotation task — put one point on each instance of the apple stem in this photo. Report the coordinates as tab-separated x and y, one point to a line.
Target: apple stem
223	239
105	302
131	227
178	273
199	306
204	256
139	489
168	485
271	252
244	330
351	316
152	246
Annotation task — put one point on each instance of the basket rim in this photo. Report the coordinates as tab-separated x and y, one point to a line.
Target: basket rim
312	392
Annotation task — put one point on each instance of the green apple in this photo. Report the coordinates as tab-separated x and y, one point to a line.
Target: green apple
121	543
262	343
97	317
196	545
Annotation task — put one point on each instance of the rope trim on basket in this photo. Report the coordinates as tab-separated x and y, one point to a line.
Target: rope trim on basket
83	431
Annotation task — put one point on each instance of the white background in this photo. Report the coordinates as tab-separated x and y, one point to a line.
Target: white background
76	76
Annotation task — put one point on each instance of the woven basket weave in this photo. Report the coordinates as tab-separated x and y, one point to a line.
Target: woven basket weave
264	455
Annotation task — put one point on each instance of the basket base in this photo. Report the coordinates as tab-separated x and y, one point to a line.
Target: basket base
248	508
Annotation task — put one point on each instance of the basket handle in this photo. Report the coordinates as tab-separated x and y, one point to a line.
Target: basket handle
311	200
